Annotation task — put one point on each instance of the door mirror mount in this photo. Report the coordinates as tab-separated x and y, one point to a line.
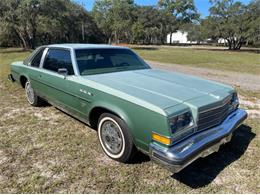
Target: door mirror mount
63	71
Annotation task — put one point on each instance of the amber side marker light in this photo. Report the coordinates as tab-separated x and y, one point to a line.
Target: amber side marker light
161	139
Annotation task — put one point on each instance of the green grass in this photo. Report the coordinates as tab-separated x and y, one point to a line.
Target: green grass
7	56
244	62
43	150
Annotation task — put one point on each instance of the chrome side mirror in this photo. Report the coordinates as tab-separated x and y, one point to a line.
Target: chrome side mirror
63	71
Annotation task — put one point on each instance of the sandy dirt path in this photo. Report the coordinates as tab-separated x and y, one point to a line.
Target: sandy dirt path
243	80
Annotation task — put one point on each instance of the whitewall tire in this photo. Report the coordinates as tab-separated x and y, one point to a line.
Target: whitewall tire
114	138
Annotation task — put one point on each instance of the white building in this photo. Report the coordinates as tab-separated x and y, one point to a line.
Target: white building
179	37
222	41
182	38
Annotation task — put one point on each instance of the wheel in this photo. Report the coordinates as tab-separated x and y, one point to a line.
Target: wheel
32	98
115	139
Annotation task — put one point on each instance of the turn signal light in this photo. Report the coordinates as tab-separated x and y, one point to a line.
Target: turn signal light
161	139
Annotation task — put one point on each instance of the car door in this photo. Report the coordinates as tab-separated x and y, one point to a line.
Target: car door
61	90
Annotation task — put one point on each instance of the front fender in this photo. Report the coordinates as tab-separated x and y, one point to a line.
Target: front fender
140	120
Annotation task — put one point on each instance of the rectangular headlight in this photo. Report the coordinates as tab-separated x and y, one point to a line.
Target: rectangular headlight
234	103
181	122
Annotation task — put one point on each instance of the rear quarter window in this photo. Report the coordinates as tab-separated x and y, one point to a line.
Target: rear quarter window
36	60
29	59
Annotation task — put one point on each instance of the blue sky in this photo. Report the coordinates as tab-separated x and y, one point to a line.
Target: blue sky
202	5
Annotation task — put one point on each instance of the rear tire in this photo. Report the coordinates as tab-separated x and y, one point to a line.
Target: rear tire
32	98
115	139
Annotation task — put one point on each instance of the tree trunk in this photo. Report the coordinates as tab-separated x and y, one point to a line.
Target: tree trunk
32	39
229	44
234	44
22	39
170	38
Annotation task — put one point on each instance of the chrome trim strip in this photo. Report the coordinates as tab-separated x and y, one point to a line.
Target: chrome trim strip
198	145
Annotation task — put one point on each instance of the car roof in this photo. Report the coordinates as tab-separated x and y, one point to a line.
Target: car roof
85	46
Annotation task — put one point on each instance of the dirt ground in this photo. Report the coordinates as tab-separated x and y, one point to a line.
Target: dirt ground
43	150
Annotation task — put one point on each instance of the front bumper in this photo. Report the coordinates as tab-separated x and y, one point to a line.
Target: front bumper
10	77
198	145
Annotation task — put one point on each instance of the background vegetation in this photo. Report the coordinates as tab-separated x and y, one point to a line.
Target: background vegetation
29	23
241	62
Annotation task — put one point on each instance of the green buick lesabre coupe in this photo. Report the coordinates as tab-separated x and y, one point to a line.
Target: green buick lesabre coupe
172	117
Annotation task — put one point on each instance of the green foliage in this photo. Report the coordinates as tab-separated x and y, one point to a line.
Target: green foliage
234	22
28	23
102	16
253	30
124	21
183	12
114	18
150	25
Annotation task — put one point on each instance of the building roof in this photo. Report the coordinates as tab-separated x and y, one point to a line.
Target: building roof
84	46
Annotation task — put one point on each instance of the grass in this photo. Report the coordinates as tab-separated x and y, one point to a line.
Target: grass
244	62
43	150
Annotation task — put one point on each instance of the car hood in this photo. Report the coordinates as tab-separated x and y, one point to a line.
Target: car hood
162	88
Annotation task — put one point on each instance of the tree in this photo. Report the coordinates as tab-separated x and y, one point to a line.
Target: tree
253	30
21	16
102	16
122	20
114	18
36	22
138	33
196	32
233	21
150	25
183	12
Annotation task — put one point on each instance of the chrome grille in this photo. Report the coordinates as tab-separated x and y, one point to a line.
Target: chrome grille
214	116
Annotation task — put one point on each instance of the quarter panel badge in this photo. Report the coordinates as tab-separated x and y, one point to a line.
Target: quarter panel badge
86	92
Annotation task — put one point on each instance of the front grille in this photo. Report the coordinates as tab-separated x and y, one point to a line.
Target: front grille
214	116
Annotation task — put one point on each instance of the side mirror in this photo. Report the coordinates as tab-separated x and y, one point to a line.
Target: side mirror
63	71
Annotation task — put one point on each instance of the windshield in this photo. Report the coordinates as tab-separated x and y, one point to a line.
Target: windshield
95	61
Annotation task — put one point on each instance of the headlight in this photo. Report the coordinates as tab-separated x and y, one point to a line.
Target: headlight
181	122
234	102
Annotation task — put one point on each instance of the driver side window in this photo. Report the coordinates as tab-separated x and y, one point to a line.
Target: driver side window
58	58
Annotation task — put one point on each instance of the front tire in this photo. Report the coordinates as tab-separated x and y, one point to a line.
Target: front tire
114	138
32	98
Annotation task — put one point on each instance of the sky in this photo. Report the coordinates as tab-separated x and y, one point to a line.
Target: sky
202	5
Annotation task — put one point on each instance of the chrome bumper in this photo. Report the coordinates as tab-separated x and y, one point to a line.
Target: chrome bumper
198	145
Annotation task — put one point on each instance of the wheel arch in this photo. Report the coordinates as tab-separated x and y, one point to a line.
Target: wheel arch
23	80
95	114
98	109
